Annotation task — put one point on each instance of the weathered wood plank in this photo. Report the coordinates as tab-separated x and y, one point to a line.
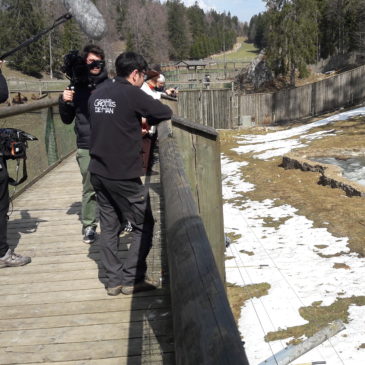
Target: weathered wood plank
83	320
100	332
63	297
82	350
204	328
105	305
165	358
56	309
199	148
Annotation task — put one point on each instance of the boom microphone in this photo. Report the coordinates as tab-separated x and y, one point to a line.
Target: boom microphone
87	16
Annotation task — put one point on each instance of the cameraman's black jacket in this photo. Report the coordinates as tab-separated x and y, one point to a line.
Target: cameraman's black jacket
116	137
79	109
4	92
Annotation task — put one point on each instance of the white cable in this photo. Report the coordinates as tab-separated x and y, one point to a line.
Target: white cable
285	279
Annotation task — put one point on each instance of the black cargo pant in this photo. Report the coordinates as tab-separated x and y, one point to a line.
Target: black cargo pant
119	200
4	207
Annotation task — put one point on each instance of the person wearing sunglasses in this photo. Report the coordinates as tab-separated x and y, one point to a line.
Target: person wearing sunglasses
73	105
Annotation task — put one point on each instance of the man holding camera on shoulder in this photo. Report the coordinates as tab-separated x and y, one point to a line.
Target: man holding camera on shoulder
8	258
74	103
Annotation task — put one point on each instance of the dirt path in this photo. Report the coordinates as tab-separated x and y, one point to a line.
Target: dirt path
235	48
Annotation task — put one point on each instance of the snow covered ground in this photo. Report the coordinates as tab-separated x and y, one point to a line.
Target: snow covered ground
286	258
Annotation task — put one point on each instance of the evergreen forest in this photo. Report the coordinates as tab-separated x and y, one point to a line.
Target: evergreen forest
159	31
296	33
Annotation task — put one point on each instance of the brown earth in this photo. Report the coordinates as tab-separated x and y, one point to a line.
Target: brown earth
328	208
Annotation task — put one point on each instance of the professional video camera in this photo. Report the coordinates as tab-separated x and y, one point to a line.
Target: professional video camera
76	70
14	143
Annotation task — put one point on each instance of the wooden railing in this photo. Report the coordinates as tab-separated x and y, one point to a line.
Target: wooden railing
55	139
205	331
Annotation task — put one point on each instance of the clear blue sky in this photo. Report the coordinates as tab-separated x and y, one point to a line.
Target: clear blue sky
243	9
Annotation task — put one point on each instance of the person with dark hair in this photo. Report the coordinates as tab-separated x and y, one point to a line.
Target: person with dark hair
73	103
8	257
116	165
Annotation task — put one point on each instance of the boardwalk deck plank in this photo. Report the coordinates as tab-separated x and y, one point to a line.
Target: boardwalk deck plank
56	310
91	306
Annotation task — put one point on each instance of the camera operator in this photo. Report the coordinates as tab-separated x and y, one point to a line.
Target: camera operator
74	103
8	258
116	166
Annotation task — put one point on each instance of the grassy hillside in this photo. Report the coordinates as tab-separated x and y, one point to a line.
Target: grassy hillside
242	50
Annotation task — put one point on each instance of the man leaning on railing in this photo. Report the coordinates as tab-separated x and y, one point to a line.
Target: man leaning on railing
8	258
116	166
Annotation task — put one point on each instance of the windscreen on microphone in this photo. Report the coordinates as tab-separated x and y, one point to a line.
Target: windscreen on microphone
87	16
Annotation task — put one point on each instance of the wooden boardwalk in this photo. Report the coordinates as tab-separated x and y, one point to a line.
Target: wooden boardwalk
56	310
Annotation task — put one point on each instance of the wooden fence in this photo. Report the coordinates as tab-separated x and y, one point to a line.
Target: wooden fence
223	109
211	108
205	332
199	149
56	140
214	74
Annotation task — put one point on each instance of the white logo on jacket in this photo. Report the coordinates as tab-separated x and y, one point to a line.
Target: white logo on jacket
105	106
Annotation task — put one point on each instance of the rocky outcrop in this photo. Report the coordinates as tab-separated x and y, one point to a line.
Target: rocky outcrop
331	175
256	74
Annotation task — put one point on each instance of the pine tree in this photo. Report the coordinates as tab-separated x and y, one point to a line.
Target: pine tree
121	15
178	29
293	34
198	29
25	20
71	38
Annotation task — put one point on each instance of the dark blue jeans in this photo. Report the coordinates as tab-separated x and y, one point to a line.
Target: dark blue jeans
118	201
4	207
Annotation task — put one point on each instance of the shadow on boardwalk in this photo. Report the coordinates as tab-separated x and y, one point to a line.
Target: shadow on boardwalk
56	310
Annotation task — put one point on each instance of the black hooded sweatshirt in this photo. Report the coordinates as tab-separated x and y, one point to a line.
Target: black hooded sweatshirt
116	110
4	92
79	109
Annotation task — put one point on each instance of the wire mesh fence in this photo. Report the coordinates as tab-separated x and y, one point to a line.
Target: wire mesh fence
55	139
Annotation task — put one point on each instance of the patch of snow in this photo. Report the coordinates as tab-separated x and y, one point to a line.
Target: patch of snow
281	142
287	257
297	131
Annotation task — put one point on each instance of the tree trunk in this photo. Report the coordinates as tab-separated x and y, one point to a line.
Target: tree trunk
292	75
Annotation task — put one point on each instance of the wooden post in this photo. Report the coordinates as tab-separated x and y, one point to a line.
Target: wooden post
50	137
24	108
199	148
205	332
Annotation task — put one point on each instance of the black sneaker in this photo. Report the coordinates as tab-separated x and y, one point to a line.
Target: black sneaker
89	235
144	285
12	259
